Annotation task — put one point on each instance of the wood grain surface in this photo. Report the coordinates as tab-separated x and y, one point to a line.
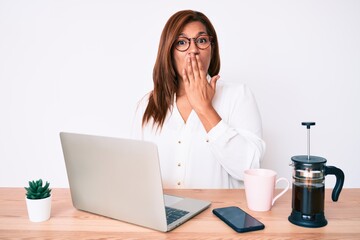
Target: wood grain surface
66	222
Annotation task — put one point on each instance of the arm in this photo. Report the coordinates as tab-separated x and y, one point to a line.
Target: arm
235	134
236	141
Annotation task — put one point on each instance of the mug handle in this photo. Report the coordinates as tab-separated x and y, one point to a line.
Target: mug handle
283	191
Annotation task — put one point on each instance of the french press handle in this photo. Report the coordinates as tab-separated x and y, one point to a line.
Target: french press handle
340	177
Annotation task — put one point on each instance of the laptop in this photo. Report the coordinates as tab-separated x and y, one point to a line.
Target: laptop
121	179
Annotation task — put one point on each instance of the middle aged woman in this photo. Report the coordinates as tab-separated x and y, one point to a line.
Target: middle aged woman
207	132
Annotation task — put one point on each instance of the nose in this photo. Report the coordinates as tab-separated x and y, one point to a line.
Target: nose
193	48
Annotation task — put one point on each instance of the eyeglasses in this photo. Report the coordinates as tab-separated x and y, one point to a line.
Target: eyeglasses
202	42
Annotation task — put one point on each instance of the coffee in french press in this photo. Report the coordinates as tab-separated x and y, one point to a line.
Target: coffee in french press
308	188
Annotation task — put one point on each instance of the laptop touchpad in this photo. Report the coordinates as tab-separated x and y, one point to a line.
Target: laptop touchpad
171	200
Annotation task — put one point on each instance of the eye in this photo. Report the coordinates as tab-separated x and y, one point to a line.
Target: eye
202	40
181	42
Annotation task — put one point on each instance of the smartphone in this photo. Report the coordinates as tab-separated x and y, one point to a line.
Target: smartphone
238	219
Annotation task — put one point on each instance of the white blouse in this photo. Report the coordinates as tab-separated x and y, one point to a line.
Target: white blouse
192	158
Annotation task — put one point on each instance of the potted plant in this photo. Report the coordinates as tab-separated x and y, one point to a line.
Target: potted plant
38	201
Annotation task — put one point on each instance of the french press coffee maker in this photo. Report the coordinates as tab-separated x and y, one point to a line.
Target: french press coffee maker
308	188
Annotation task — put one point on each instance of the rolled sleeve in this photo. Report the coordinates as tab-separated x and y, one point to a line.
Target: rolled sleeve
218	131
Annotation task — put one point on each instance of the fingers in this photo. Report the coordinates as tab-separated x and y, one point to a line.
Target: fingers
194	68
185	77
213	81
202	73
194	64
189	68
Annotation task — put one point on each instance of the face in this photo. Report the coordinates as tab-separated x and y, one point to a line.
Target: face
192	30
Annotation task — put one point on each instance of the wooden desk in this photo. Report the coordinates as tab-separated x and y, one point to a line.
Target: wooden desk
68	223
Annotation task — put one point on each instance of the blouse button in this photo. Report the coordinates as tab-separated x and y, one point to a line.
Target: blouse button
179	142
179	183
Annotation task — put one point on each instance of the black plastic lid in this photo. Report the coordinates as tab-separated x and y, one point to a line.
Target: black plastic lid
304	159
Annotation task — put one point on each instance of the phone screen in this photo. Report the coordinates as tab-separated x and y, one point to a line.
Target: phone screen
238	219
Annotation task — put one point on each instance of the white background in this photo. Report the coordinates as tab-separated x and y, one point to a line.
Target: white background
81	66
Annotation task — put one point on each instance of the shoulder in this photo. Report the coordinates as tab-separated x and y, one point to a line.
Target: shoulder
142	103
145	99
233	89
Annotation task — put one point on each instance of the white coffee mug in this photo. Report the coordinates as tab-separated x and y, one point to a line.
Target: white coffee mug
259	188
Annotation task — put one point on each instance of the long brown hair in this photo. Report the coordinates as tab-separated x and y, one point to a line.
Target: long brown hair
165	77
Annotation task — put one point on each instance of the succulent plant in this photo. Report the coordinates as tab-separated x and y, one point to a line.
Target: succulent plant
36	190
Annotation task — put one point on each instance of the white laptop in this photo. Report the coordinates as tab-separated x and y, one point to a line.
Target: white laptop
121	179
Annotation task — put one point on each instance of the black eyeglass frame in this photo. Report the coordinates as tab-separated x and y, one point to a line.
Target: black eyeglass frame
194	39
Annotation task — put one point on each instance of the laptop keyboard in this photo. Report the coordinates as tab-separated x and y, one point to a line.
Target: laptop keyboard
173	214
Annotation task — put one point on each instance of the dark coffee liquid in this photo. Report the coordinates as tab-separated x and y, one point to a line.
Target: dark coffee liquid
308	199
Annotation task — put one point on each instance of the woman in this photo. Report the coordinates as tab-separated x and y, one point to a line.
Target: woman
207	133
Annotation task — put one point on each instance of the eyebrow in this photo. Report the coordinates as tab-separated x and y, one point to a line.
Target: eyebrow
199	34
